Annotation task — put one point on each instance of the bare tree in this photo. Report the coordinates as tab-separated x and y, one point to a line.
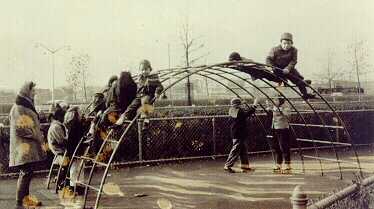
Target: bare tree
358	60
74	82
330	71
79	69
191	47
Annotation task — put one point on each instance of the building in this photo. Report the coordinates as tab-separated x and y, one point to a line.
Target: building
340	86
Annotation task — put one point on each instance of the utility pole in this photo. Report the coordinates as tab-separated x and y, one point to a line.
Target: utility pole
52	52
189	100
170	90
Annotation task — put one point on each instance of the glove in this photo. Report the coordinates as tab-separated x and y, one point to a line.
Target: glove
120	120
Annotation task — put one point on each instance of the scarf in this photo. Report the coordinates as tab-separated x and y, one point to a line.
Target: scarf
26	102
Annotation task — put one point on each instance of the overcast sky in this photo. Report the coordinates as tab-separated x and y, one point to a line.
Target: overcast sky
117	34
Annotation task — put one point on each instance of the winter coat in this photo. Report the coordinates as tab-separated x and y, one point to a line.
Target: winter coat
239	128
111	98
26	139
125	90
149	85
57	139
74	129
280	120
282	58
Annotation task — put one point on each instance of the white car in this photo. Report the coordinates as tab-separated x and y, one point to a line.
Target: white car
337	94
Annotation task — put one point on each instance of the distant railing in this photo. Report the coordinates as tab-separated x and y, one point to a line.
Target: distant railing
357	195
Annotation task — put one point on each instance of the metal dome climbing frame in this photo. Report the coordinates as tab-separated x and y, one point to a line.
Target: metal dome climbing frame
228	71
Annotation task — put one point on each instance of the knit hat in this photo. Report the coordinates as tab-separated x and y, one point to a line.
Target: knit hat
145	64
59	113
235	101
286	36
235	56
280	98
98	98
112	79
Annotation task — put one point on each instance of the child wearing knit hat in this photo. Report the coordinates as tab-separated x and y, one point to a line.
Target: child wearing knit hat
239	114
284	57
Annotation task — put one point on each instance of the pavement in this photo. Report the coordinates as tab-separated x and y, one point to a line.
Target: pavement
202	184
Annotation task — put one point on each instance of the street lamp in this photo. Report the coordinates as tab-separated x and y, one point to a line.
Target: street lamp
52	52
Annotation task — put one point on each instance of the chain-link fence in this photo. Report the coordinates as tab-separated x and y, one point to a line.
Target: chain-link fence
209	135
185	137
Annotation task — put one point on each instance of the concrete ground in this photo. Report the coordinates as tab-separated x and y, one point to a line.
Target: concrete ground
202	184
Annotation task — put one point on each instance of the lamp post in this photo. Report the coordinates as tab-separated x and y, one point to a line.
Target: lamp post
52	52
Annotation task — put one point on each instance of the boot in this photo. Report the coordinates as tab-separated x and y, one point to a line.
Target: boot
228	169
31	201
247	168
287	169
67	192
277	168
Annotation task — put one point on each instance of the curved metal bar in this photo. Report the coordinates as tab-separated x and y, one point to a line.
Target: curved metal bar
260	122
323	123
122	136
298	113
252	85
319	117
343	124
311	106
71	162
120	140
246	62
307	85
334	113
197	72
310	133
94	166
108	164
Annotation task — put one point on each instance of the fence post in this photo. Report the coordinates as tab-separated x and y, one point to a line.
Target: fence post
140	139
214	135
299	199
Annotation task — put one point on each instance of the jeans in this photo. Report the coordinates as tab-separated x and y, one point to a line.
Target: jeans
281	145
239	149
295	77
76	172
23	184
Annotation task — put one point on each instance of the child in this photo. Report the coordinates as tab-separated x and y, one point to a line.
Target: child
149	87
284	56
281	136
254	71
57	140
239	133
75	131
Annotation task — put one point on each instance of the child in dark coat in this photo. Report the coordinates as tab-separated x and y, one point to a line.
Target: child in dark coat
284	56
239	133
256	72
149	87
